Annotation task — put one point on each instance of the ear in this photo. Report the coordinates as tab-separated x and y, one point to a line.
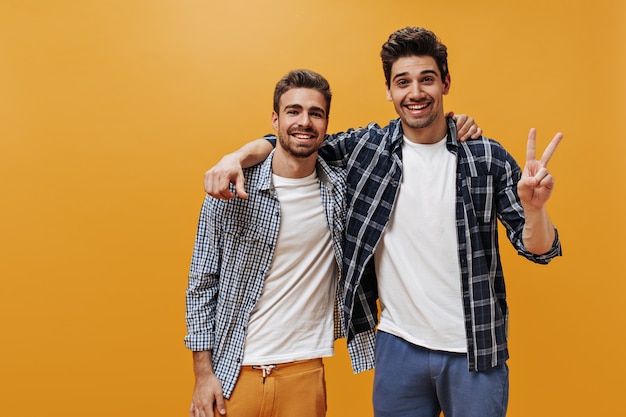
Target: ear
275	121
446	84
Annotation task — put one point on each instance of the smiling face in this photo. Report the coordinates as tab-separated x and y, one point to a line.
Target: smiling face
301	122
417	89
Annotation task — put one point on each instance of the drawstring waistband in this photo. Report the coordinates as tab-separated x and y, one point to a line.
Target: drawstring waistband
267	369
286	368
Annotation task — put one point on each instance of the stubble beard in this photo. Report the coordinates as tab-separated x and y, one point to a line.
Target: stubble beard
421	122
296	151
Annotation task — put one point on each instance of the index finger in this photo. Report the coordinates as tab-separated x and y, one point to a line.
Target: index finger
531	144
547	154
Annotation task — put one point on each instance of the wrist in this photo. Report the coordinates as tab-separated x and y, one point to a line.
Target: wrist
202	367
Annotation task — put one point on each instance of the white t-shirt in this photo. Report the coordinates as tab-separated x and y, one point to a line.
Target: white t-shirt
293	319
417	264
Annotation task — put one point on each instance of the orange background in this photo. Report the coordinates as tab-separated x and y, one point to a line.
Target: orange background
111	111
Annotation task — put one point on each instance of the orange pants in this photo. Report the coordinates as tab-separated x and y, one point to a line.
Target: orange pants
294	389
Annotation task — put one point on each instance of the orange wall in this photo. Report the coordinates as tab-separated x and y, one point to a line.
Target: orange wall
110	112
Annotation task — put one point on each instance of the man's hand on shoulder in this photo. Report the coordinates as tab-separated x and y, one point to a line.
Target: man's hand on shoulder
466	127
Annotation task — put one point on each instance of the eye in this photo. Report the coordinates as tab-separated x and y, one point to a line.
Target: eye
317	114
402	83
292	112
428	79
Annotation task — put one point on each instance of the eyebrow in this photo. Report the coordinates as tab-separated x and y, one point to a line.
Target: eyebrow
404	74
299	107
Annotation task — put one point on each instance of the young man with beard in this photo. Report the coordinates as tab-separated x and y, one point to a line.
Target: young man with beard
421	237
263	304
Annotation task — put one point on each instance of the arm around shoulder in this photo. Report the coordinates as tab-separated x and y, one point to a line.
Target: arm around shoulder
228	170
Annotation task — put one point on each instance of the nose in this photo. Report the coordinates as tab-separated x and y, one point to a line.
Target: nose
305	119
416	90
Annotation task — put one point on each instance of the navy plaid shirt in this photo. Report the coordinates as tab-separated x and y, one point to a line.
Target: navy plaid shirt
486	185
233	252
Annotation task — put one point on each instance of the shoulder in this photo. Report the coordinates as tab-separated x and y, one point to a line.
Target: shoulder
390	130
331	173
376	137
258	177
484	147
486	154
372	130
255	170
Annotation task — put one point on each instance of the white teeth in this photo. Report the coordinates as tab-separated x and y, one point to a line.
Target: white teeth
417	106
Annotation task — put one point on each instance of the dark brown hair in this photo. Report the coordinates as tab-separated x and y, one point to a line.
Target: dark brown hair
413	41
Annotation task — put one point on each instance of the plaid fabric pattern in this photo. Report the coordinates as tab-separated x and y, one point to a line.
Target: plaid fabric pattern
486	191
233	252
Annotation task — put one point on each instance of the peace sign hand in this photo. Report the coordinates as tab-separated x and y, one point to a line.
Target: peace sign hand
536	184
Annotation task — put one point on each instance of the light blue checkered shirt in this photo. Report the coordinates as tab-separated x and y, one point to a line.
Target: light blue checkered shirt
233	252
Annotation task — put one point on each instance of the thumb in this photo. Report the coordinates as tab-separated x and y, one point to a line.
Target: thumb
219	404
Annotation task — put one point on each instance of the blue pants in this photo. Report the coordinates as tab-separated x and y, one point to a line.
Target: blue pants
411	381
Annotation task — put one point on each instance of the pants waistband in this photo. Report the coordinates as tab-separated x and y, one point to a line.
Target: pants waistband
287	367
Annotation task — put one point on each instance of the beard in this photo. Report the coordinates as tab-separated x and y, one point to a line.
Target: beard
299	150
421	122
418	122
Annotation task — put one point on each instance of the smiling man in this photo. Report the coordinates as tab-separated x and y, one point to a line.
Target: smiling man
421	237
261	299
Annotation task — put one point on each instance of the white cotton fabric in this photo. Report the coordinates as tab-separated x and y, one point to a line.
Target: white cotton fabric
293	319
417	260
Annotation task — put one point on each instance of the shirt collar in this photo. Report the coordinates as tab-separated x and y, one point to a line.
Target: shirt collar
452	143
264	181
324	172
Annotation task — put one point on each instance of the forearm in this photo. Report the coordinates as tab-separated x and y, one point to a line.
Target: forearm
538	234
252	153
202	366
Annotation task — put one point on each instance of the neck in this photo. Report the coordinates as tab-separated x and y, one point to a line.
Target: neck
430	134
289	166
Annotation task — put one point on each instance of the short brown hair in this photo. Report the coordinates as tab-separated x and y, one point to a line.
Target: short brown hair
413	41
302	78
